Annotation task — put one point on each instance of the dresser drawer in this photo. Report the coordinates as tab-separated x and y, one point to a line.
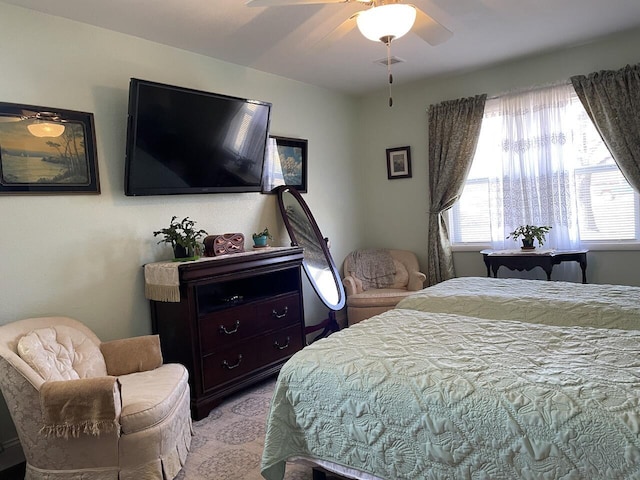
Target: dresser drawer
244	358
223	328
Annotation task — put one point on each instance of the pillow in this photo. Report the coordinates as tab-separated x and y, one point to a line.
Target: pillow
61	353
131	355
402	275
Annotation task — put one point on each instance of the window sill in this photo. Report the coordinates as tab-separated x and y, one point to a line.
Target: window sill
469	247
611	246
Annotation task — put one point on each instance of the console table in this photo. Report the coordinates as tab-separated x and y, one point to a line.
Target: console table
527	260
231	320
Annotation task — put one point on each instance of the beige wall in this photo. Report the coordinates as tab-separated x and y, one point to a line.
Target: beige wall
82	255
400	206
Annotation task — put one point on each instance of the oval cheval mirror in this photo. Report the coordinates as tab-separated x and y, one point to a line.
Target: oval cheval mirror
317	262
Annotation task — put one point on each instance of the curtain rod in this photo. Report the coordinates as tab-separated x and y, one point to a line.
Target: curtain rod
529	89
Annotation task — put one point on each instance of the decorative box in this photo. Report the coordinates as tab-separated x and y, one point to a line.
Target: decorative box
215	245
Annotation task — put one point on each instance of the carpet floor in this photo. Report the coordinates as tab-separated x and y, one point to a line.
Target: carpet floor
228	444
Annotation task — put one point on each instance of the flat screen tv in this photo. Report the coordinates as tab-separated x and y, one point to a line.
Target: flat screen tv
184	141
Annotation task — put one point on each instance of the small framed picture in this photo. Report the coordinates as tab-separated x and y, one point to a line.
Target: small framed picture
46	150
399	162
285	164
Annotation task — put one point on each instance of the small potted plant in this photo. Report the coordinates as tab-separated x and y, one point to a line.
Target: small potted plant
529	233
183	238
260	239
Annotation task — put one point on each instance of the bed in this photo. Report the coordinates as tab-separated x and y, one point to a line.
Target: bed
413	394
535	301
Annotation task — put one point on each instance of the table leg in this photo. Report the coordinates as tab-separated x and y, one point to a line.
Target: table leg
487	264
583	266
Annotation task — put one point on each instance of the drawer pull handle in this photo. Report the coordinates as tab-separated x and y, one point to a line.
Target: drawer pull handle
224	330
280	315
281	347
226	365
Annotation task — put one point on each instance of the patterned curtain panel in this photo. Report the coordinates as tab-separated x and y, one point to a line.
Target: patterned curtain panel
612	100
454	128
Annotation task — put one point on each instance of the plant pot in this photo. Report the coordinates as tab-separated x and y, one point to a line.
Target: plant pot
260	241
183	253
527	244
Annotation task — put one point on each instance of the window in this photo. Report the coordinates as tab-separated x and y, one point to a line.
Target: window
540	160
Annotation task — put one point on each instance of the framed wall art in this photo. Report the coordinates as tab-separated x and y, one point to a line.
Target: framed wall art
47	151
399	162
285	164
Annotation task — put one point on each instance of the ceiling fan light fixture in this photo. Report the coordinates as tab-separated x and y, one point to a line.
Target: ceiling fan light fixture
386	22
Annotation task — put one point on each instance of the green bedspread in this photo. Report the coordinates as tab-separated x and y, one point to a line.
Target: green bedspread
414	395
534	301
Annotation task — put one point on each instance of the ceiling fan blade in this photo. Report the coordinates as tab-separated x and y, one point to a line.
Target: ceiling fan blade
339	32
429	30
278	3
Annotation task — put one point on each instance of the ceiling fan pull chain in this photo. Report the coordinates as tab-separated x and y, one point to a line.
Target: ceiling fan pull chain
389	71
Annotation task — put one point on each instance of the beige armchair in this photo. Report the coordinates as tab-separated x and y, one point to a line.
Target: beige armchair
92	410
367	297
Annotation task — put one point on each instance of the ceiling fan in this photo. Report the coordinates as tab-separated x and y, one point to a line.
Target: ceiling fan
383	20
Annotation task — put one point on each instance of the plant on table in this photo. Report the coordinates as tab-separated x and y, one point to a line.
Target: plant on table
183	238
260	239
529	233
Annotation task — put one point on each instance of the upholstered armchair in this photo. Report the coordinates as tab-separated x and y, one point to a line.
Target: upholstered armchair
92	410
376	280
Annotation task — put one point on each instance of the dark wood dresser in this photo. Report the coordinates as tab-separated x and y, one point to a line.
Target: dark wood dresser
239	318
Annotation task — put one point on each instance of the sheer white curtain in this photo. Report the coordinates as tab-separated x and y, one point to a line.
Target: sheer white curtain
529	153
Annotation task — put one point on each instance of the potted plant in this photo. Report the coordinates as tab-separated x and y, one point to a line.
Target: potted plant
260	239
529	233
183	238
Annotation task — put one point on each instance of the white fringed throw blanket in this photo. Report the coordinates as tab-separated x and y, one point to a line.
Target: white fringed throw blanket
162	281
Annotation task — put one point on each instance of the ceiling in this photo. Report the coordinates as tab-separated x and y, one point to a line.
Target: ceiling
288	40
